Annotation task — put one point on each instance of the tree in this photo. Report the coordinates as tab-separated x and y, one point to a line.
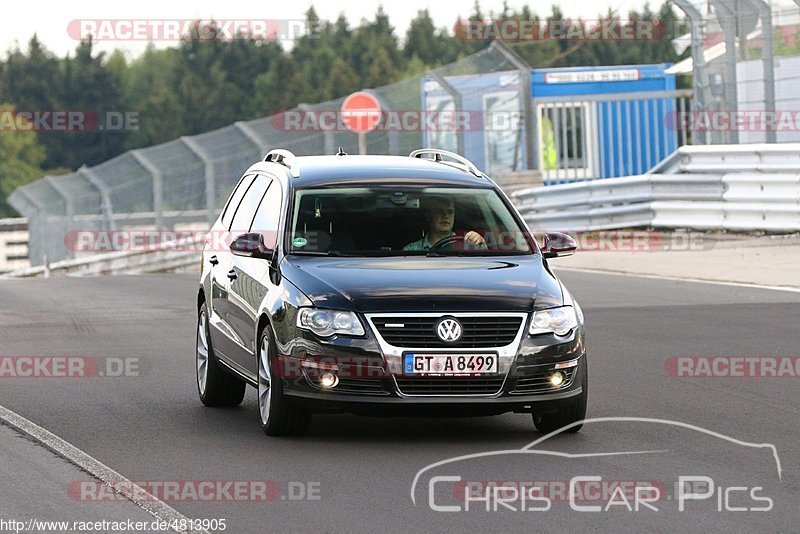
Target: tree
150	90
279	89
373	51
421	39
431	46
84	83
382	70
342	81
21	157
27	79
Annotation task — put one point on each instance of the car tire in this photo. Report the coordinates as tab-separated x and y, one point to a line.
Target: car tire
215	386
279	415
568	411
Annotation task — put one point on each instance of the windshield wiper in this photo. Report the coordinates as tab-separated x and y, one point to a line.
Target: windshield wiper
333	253
445	253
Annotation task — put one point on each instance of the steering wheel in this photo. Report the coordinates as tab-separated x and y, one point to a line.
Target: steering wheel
447	242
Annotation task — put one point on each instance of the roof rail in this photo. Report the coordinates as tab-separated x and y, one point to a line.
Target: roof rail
437	156
285	158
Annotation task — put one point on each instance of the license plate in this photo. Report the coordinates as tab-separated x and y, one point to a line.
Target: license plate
449	364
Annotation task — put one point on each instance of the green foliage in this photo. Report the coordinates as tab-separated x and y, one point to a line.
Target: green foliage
21	157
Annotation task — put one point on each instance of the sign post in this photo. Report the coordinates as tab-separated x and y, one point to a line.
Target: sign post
361	113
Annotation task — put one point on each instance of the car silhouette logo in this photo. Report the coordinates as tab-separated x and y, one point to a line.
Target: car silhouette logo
449	330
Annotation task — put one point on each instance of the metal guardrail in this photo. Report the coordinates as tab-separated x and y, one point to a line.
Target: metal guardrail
167	257
695	215
626	190
739	216
754	187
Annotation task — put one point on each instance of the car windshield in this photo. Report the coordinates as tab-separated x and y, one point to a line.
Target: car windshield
403	221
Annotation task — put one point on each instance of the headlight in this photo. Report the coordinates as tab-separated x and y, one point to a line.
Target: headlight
326	323
557	321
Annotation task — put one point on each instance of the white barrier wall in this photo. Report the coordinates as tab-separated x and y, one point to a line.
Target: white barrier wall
13	244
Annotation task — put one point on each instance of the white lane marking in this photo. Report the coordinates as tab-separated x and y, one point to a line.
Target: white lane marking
121	485
788	289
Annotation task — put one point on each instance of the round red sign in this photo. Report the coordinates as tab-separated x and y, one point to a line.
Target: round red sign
361	112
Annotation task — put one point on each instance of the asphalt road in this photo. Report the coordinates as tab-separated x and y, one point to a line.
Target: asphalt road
360	471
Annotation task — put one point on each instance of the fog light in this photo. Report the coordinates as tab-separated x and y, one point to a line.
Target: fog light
328	380
557	379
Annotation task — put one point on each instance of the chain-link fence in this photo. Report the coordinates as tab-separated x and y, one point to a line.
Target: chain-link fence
745	65
183	183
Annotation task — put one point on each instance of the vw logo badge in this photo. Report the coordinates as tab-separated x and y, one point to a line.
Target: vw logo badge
449	330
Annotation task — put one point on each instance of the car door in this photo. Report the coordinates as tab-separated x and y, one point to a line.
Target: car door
219	258
245	291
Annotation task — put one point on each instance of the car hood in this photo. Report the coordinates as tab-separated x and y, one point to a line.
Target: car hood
509	283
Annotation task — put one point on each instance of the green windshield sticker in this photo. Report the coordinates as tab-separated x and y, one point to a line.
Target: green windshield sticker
299	242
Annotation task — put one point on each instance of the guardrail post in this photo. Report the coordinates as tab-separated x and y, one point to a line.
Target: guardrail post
700	74
158	186
211	191
251	135
768	59
328	141
393	134
69	207
105	195
531	150
727	19
457	101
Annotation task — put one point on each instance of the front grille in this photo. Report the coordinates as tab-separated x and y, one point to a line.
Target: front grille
420	332
540	382
449	386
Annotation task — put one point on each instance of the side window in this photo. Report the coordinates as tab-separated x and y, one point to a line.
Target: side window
247	207
233	202
268	215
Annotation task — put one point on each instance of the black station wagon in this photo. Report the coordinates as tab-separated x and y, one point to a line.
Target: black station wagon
385	285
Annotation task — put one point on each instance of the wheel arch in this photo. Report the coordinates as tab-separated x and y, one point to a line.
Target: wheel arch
201	298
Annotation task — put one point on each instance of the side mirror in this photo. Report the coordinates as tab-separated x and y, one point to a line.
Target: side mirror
251	246
558	245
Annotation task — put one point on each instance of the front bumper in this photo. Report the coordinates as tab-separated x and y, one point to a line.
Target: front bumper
364	382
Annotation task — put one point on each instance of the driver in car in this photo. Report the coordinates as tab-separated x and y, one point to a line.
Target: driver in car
440	215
